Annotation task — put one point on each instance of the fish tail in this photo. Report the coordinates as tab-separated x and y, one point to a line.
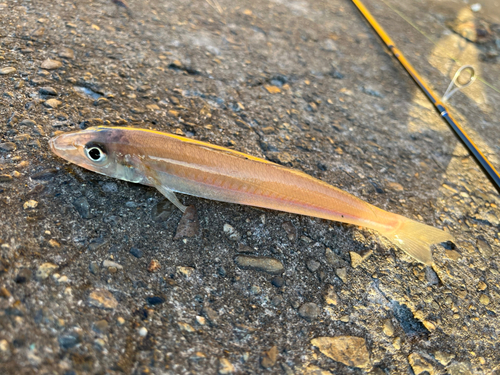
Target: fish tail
416	239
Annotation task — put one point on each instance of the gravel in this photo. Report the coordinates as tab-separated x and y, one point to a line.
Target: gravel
227	288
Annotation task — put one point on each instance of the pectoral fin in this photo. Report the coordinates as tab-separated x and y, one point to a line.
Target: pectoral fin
153	180
170	195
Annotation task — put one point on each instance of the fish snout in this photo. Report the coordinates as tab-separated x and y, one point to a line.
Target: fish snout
63	145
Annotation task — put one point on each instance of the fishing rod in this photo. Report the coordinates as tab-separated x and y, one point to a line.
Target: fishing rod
481	160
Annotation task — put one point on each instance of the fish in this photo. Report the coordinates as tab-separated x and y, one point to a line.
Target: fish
174	164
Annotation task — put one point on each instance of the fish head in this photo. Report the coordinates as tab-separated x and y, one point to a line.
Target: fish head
103	150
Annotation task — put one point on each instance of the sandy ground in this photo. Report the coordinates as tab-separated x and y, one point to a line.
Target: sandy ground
103	276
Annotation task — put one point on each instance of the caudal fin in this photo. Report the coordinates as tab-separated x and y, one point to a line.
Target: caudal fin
416	239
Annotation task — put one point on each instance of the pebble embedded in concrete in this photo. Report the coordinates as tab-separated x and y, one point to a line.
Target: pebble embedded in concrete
342	274
45	270
225	367
420	365
103	299
231	232
154	266
50	64
269	357
313	265
30	204
264	264
7	146
388	328
82	207
330	296
349	350
52	103
189	225
309	311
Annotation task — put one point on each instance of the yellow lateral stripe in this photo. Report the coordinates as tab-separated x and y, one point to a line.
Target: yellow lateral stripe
185	139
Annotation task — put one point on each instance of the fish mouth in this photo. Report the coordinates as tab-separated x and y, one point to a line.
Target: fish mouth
59	143
63	145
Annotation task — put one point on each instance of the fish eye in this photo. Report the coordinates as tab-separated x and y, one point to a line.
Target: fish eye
95	154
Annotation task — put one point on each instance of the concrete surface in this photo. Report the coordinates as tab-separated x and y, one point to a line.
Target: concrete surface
94	278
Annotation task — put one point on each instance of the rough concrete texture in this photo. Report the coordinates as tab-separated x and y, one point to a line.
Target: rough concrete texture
92	279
